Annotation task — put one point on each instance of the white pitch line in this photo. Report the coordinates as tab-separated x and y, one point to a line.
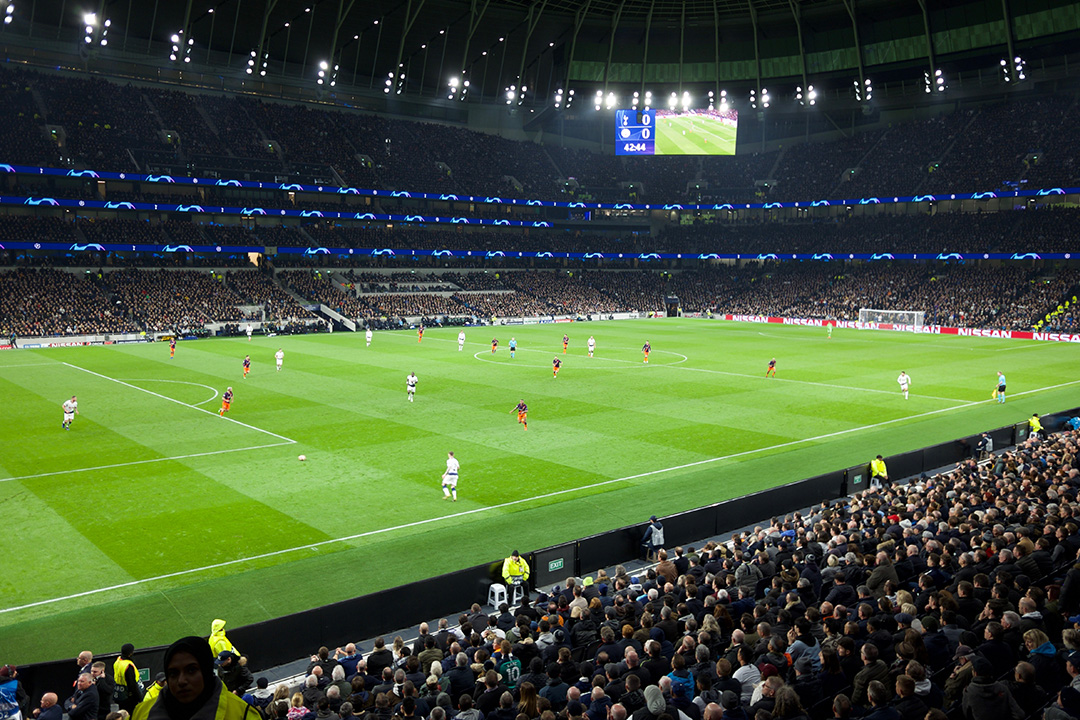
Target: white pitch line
174	400
511	503
180	382
144	462
26	365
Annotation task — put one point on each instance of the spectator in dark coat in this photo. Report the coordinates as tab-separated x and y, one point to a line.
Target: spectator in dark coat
996	650
1028	695
50	708
83	704
909	705
985	699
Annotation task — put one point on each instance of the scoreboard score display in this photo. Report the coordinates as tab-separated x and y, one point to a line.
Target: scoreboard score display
635	132
671	132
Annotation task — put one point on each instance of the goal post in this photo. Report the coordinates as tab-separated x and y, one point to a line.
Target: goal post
911	318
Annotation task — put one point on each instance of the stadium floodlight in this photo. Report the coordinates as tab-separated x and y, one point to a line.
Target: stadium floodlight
764	97
89	18
522	93
558	98
1015	71
937	80
611	101
9	10
648	99
326	74
634	101
686	101
753	99
724	107
864	90
806	98
511	94
181	50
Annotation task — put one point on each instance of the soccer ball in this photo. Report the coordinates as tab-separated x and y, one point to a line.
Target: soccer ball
302	458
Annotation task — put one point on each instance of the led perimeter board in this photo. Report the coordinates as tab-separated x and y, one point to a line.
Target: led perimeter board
668	132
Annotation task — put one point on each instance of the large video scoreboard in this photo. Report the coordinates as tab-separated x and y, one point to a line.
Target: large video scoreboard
671	132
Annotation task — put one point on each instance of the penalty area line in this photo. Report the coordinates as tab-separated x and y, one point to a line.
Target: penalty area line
500	506
178	402
144	462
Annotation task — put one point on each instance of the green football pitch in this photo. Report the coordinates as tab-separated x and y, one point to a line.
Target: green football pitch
691	135
153	515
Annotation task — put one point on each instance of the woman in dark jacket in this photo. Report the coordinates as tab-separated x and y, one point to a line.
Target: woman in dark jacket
832	675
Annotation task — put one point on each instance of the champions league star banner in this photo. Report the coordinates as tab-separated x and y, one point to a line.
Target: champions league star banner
494	255
9	708
501	254
489	199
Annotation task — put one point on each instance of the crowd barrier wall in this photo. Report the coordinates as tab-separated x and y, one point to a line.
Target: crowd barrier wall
284	639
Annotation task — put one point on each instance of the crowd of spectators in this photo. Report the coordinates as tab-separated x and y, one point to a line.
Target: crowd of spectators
174	299
43	302
258	288
1017	129
107	125
810	172
122	231
35	228
415	304
1005	297
320	287
1011	297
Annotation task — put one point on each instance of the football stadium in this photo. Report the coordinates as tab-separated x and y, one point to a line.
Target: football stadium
385	371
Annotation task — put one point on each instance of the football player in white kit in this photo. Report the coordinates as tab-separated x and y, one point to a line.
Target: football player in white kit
461	341
71	409
449	478
368	336
250	329
904	381
279	356
592	345
410	385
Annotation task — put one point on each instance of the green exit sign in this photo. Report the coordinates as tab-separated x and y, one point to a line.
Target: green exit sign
144	675
556	564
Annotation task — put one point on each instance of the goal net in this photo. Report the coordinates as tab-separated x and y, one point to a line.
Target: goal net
911	318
